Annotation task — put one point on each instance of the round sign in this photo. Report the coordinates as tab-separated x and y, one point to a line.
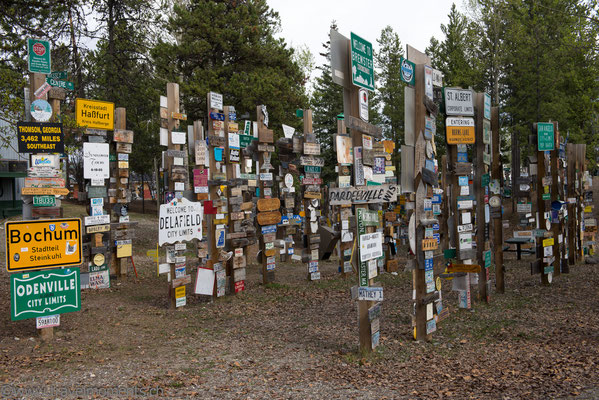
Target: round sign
495	201
550	277
363	101
407	71
41	110
412	233
99	259
288	180
438	283
429	149
547	224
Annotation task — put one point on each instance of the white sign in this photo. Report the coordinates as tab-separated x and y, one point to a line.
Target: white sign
178	137
234	140
180	220
372	293
97	220
288	131
49	321
428	81
459	102
216	100
45	160
437	78
371	246
363	101
96	163
288	180
453	121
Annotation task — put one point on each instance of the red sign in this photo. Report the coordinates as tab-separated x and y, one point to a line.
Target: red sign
208	208
200	177
312	181
239	286
39	49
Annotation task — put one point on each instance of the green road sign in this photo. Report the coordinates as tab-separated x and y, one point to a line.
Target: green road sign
485	180
245	140
39	56
311	169
487	258
44	201
546	136
362	64
58	75
546	196
37	294
61	84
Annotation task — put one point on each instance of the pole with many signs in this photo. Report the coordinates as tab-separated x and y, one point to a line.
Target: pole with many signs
495	202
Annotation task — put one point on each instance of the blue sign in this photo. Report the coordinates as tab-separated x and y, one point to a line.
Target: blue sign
462	157
269	229
220	240
270	267
428	264
217	116
437	199
430	165
463	180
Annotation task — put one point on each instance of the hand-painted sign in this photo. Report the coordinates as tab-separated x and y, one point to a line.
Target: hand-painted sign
180	220
42	244
38	294
39	56
40	137
96	164
362	63
360	195
371	246
94	114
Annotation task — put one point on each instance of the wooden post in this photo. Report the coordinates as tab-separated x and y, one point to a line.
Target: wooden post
120	122
496	175
541	208
345	267
481	181
556	228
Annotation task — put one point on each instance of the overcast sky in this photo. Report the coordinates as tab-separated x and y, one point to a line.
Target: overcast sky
308	21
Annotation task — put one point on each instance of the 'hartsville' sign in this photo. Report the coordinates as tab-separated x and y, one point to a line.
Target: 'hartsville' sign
180	220
365	194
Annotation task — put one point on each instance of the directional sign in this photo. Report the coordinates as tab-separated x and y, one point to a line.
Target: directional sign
362	64
37	294
61	84
39	56
42	244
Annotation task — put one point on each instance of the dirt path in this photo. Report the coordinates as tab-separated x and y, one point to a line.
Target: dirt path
296	339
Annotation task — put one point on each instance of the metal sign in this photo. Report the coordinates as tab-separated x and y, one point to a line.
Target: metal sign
94	114
39	294
459	102
42	244
460	130
546	136
40	137
39	56
362	64
180	220
339	56
96	164
408	69
363	104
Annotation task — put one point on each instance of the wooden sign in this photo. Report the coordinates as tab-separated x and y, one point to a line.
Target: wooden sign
216	141
269	218
239	262
364	127
40	212
270	252
463	268
312	181
269	204
44	191
184	280
312	148
123	136
97	228
123	148
312	195
179	116
312	161
365	194
265	135
429	244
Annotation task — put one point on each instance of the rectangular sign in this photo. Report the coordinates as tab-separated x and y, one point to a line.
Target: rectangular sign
49	321
460	130
94	114
97	220
366	194
459	102
44	201
96	163
545	136
180	220
38	59
362	63
39	294
371	246
42	244
371	293
40	137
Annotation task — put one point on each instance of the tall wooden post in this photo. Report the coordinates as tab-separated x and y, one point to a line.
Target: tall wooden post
556	226
572	201
345	248
481	183
541	209
496	175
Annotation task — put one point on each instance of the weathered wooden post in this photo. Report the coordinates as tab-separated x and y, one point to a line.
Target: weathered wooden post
497	208
544	249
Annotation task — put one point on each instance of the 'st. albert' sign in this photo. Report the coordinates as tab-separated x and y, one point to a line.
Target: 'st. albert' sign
180	221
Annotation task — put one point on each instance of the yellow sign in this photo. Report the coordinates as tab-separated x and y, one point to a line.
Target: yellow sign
95	114
180	292
124	250
42	244
44	191
460	130
548	242
588	209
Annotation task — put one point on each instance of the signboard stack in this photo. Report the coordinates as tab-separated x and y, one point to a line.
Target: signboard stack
347	158
180	220
96	169
289	147
268	216
495	199
43	243
311	182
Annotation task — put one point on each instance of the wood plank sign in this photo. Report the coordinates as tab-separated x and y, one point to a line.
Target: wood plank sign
312	161
460	130
123	136
42	244
269	217
269	204
312	148
366	194
180	220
